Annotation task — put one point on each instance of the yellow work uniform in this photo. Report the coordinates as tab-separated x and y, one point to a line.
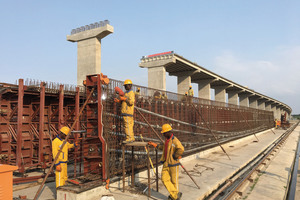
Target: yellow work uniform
170	170
191	92
127	110
62	176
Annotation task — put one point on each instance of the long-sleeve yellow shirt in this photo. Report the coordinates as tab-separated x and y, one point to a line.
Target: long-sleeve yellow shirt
56	144
127	107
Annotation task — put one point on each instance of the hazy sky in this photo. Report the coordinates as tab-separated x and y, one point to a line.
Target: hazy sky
255	43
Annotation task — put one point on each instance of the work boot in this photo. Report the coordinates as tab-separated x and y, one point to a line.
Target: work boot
179	195
170	198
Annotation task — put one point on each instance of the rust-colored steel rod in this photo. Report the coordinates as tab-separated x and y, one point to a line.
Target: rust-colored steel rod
62	146
163	141
41	122
248	124
211	131
149	124
19	160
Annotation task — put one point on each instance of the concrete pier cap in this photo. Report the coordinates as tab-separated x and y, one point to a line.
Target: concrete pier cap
88	40
156	64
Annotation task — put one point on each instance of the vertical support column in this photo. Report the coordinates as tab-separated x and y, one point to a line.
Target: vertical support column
244	101
273	108
220	93
261	103
183	83
204	88
268	106
253	102
89	50
19	125
157	78
42	122
88	58
100	129
278	112
61	107
77	127
233	97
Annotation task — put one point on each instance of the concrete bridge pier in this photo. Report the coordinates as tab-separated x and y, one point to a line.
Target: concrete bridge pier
157	78
274	109
204	88
268	105
261	104
184	80
157	70
88	40
233	97
253	101
244	99
220	93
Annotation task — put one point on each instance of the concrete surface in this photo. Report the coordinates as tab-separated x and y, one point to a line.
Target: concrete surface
297	195
89	50
273	182
213	164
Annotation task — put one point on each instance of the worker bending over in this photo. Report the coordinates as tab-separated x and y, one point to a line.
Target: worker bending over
61	175
127	110
172	151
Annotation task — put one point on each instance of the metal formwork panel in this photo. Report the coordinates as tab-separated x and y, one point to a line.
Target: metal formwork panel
45	110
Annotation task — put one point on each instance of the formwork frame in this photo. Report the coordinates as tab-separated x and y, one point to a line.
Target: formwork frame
31	115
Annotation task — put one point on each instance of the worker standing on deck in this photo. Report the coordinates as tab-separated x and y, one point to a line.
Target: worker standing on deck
172	151
190	91
190	94
127	110
61	175
138	90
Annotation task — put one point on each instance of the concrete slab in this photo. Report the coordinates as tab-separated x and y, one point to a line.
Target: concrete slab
213	164
273	182
48	192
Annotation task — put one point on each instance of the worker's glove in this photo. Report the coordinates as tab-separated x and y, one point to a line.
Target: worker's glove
152	144
58	168
116	100
77	142
123	98
176	158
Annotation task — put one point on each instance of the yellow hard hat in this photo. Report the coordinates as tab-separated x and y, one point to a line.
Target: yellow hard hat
190	86
127	82
166	128
138	88
65	130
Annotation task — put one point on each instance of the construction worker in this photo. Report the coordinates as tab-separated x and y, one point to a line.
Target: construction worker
138	90
190	94
184	98
61	175
127	110
190	91
157	95
164	96
172	151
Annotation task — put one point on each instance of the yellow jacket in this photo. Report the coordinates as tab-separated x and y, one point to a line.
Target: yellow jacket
56	144
175	149
191	92
127	107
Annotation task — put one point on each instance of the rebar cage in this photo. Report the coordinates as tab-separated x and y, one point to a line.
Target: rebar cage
31	115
